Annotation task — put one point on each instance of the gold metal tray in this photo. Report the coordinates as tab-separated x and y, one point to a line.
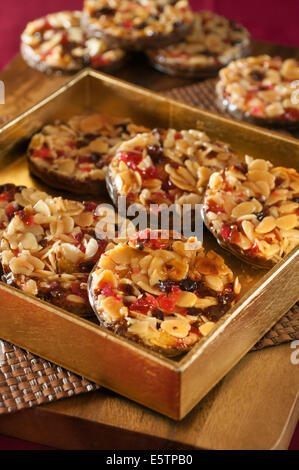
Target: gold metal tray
170	386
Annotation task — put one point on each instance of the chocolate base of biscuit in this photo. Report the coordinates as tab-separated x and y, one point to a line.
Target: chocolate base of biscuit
155	41
185	71
77	309
66	183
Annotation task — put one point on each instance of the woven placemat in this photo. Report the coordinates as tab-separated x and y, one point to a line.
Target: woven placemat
27	380
202	94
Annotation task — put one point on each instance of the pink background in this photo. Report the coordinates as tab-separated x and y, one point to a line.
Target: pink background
268	20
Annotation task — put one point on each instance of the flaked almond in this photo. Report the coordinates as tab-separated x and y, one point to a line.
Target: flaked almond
258	164
288	207
248	228
237	286
177	328
287	222
104	277
214	282
91	248
243	208
260	175
113	309
186	299
21	265
206	302
266	225
206	328
71	253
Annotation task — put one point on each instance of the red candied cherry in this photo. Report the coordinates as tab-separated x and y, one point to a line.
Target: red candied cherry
132	159
213	207
128	24
254	248
292	114
107	290
99	61
149	173
145	304
43	152
26	217
10	211
257	111
90	206
230	233
167	302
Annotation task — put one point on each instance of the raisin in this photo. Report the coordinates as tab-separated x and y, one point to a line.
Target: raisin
225	298
85	267
141	25
56	291
6	187
188	285
123	127
139	245
127	289
156	153
196	312
257	75
157	313
166	286
241	167
104	11
261	215
212	154
81	143
96	156
86	60
204	291
215	312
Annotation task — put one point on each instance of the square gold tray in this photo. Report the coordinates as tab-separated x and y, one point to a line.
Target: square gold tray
170	386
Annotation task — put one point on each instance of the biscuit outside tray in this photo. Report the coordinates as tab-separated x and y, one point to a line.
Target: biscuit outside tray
27	380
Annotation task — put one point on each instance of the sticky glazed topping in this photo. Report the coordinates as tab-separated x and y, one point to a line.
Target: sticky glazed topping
49	247
12	199
213	42
167	166
161	291
261	87
58	40
254	208
80	148
138	18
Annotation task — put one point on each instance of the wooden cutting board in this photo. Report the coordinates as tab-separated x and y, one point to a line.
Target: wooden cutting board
255	406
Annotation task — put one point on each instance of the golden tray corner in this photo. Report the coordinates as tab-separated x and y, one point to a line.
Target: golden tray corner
171	387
